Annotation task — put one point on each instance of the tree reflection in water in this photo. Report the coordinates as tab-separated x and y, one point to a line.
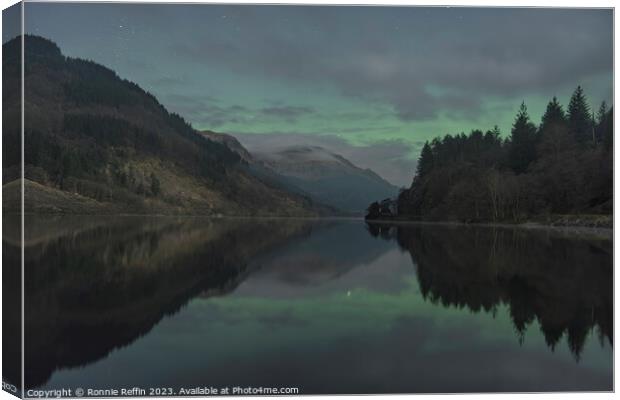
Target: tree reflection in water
561	281
94	285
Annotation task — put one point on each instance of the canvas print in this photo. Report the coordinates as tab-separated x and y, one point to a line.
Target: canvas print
217	199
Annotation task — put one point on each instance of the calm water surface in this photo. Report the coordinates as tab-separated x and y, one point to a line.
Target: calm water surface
325	306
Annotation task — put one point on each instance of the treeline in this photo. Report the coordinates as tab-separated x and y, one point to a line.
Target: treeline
562	166
90	155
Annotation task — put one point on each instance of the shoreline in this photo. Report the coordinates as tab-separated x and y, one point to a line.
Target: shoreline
529	225
576	229
181	215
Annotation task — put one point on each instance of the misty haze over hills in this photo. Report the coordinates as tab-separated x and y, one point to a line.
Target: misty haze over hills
326	177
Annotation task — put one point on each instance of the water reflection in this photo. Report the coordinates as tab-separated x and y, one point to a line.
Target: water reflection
327	306
11	303
96	285
562	281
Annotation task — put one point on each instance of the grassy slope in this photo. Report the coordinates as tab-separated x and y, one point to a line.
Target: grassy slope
182	195
44	199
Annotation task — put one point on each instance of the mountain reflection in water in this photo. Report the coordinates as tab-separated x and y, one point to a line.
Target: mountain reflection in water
328	306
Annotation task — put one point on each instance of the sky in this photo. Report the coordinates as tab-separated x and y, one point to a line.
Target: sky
370	83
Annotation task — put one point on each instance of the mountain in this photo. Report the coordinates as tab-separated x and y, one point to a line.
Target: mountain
231	142
96	143
326	177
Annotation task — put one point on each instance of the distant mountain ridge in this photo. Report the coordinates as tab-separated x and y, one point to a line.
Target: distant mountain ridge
296	160
326	177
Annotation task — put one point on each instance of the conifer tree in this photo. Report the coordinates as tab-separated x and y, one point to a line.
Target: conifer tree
608	130
554	136
522	141
602	112
554	115
579	118
425	162
600	122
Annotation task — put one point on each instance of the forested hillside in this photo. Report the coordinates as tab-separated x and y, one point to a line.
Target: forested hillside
97	143
564	165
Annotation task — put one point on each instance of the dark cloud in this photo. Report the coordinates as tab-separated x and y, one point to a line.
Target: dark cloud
420	61
209	112
206	111
169	82
289	113
408	56
391	159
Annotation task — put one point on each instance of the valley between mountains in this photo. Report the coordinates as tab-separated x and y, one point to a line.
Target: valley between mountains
95	143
